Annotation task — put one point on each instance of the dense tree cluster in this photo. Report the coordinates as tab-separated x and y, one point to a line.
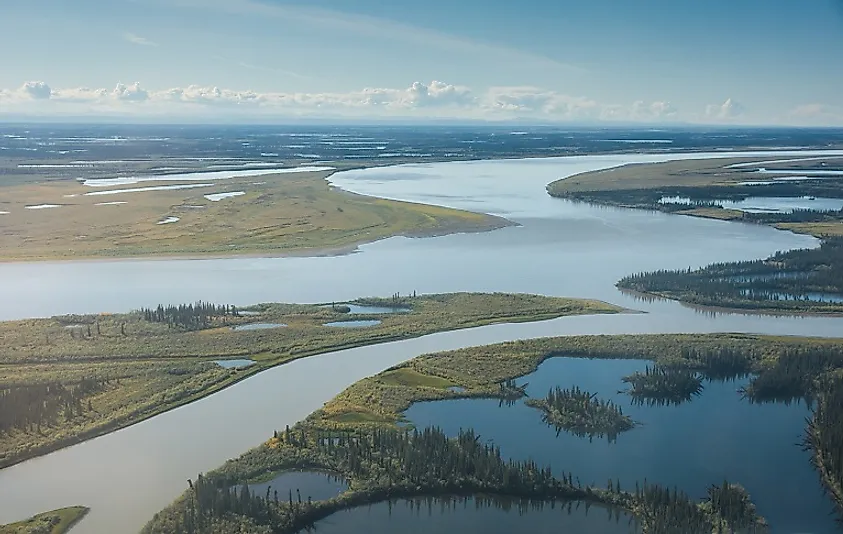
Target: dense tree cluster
32	407
825	439
795	280
189	316
390	464
580	413
664	385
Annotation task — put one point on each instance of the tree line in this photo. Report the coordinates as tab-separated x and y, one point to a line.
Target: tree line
189	316
386	464
32	407
798	279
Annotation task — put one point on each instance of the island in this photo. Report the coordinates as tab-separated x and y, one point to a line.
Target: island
53	522
70	378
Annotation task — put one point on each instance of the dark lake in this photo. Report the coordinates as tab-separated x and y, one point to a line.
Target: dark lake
316	485
714	437
476	516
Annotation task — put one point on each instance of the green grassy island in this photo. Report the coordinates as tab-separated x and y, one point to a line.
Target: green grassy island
54	522
70	378
363	436
580	413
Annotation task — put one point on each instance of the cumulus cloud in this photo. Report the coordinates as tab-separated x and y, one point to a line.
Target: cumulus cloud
36	90
138	40
435	99
726	111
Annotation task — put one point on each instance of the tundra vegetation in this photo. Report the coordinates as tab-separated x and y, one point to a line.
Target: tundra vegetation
298	213
66	379
363	436
703	182
53	522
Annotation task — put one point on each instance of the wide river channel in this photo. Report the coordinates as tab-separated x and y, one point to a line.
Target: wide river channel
558	248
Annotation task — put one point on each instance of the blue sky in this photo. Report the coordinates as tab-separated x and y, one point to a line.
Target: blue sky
650	61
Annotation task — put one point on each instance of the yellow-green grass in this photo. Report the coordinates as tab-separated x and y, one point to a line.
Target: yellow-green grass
297	213
688	173
153	368
816	229
54	522
478	371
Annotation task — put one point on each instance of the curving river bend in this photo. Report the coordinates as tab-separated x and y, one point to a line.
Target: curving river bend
559	248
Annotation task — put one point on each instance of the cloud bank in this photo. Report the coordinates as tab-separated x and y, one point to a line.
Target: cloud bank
419	101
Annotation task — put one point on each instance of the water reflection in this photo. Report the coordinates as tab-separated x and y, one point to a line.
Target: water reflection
716	437
478	514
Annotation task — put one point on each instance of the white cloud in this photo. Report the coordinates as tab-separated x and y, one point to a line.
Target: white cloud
435	99
728	110
138	40
36	90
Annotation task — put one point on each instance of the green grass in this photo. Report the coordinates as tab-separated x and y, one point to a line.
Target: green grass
153	368
54	522
410	377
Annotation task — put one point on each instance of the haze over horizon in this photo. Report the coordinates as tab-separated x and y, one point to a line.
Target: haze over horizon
565	62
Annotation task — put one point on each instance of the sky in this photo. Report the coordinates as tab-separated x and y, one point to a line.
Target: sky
731	62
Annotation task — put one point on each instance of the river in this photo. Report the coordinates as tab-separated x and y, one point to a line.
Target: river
559	248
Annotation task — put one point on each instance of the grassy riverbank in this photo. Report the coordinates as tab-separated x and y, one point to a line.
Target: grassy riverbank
67	379
280	214
54	522
705	181
360	434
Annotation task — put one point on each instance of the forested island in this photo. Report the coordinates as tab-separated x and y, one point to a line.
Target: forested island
581	413
664	385
66	379
809	280
362	436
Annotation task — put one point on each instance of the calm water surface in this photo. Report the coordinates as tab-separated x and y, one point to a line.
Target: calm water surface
476	516
560	248
715	437
309	484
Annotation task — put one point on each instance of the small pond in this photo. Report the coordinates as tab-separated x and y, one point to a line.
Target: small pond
234	364
257	326
372	310
354	324
716	436
476	515
316	485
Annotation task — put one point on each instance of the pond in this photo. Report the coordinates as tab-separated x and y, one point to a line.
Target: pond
715	437
235	364
353	324
257	326
477	515
372	310
316	485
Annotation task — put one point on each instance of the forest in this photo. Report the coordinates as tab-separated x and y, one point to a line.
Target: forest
806	280
361	435
580	413
189	316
